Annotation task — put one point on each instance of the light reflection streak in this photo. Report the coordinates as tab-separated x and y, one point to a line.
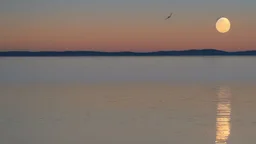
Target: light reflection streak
223	115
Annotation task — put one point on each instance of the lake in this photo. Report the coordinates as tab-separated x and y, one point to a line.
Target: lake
127	100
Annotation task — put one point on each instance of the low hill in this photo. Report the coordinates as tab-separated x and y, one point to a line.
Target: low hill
193	52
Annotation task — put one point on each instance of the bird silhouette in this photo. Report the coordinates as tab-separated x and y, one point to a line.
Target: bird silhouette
169	16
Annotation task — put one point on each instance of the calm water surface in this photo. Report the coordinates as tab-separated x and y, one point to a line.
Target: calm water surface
123	69
128	100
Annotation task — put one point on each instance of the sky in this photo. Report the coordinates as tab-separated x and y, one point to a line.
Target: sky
125	25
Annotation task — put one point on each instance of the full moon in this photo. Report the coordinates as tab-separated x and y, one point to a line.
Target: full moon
223	25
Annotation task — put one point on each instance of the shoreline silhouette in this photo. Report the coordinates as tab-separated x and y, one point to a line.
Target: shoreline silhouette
192	52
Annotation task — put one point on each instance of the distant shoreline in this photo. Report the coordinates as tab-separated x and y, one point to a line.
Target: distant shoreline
202	52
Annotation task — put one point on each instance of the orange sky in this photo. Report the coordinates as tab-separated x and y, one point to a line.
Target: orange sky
126	29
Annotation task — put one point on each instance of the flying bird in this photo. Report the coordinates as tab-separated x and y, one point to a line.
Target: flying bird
169	16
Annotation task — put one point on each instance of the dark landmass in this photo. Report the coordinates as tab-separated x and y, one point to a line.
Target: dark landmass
202	52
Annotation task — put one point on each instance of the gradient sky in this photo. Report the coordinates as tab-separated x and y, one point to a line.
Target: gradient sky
125	25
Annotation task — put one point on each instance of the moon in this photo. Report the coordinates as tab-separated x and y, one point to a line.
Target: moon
223	25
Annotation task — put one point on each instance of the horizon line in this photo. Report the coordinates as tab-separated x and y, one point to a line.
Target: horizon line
124	51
